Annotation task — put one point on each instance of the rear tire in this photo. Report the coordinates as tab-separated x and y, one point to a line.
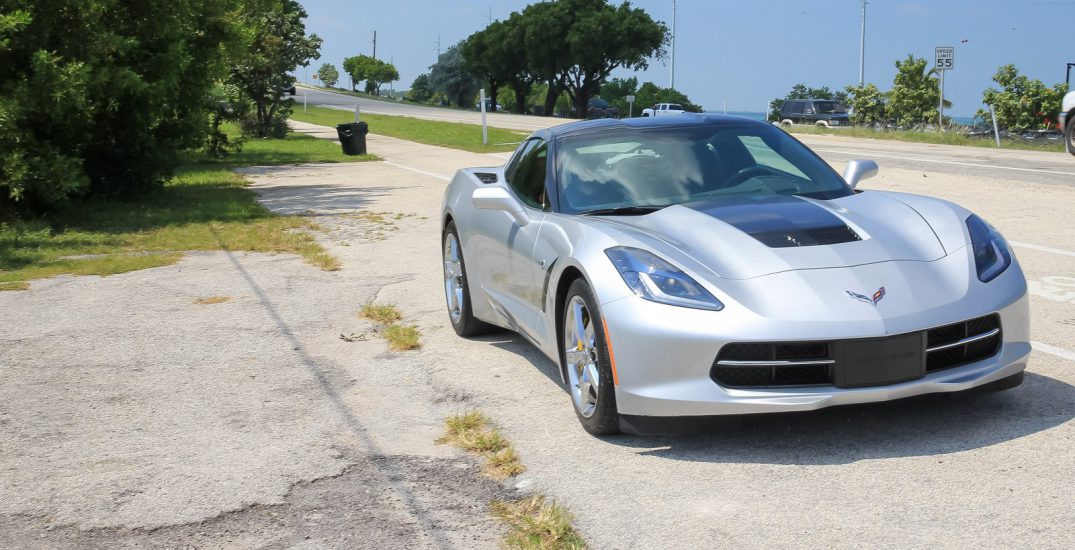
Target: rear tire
786	123
457	288
587	365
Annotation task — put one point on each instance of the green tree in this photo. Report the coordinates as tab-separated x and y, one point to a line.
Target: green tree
604	38
420	89
802	91
868	104
482	58
274	42
328	74
449	77
545	27
102	96
1022	104
374	71
914	94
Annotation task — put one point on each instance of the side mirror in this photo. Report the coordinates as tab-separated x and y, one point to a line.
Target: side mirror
498	198
858	170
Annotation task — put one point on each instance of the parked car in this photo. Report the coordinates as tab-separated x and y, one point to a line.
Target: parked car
661	109
488	106
822	112
709	265
599	108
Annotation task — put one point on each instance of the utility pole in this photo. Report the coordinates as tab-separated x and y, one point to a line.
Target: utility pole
438	48
862	46
375	44
672	77
490	14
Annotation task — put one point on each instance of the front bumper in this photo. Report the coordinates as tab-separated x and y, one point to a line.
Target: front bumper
664	368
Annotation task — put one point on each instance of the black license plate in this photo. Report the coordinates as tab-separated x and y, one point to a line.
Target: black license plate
880	361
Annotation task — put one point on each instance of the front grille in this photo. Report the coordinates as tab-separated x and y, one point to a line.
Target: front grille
962	343
773	364
788	364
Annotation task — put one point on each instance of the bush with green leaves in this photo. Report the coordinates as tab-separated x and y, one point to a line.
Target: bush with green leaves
102	96
1022	104
868	105
915	92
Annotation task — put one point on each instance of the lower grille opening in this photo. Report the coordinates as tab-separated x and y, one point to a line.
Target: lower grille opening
962	343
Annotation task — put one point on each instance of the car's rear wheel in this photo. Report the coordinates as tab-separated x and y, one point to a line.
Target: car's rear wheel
786	123
456	291
585	358
822	124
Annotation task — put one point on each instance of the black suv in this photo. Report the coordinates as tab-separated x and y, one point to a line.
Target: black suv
822	112
599	108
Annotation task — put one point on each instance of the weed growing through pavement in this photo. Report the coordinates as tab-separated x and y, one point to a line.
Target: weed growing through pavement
380	313
471	431
402	337
535	523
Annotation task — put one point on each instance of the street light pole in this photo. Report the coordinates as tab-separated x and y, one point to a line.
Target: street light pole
862	46
672	77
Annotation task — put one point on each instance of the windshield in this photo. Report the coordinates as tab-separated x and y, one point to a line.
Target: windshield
599	103
830	107
657	167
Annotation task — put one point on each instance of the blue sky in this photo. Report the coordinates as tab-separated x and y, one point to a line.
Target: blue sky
747	52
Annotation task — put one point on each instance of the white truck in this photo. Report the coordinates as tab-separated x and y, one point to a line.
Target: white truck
662	109
1067	115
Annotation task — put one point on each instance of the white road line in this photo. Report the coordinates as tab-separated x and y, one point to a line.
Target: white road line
1042	248
952	162
1053	350
417	171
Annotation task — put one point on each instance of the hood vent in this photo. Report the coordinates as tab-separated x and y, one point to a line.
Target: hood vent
779	221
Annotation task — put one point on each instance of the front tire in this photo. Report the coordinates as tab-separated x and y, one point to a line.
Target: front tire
1069	133
456	288
585	358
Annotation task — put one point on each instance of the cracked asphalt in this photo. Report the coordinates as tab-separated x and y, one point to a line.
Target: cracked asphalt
132	417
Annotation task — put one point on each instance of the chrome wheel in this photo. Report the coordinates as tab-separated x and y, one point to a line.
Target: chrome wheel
580	352
453	277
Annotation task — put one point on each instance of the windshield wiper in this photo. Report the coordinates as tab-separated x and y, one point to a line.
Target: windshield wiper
623	211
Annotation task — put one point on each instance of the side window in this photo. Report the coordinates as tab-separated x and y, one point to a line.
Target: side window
810	108
796	107
528	177
513	164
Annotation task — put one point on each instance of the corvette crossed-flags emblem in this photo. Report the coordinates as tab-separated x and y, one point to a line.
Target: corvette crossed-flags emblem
877	296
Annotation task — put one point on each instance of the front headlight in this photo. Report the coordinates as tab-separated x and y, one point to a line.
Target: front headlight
659	281
991	253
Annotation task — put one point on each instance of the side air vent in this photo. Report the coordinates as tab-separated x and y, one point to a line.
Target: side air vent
486	177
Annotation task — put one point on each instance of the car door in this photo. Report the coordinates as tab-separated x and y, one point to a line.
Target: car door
512	278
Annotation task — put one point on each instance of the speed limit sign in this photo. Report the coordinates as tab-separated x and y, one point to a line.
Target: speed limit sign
945	58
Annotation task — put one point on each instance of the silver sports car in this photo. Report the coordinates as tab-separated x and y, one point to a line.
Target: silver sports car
710	265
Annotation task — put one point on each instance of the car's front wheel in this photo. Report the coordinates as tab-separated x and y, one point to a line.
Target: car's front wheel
585	358
456	291
1069	133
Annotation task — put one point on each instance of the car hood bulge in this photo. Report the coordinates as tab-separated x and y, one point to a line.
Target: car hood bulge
747	237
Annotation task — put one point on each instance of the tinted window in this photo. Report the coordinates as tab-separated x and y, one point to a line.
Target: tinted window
528	177
796	107
513	164
665	166
675	107
830	107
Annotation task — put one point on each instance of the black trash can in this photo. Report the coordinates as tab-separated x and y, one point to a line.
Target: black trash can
353	137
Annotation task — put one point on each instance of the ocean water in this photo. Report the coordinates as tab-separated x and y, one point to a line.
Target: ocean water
962	120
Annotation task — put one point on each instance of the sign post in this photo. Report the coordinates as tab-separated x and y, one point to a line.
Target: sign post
630	106
945	61
485	129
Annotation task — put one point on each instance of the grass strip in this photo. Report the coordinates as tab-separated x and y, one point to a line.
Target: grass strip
934	137
380	313
204	207
455	135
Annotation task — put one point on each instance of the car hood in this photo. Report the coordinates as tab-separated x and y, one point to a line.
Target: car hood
747	237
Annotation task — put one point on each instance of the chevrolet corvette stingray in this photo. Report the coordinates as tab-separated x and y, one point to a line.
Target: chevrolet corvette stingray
700	265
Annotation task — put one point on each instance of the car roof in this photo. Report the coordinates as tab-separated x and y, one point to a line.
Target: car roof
684	120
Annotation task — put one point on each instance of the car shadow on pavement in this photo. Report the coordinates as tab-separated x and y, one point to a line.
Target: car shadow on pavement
919	426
